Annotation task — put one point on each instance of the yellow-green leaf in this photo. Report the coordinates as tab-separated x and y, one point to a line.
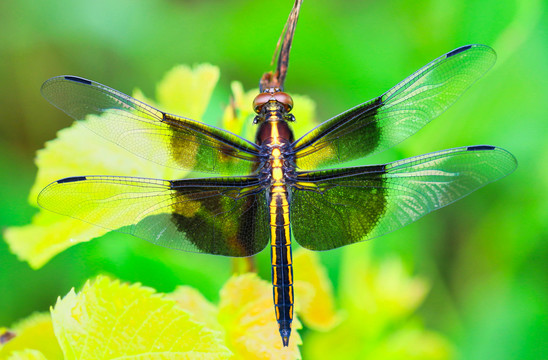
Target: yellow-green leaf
111	320
378	299
314	292
27	355
185	91
237	117
193	302
33	333
77	151
247	315
48	235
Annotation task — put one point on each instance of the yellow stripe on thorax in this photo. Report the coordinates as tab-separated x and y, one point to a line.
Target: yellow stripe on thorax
275	134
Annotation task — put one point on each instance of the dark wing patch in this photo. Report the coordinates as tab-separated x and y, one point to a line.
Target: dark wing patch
402	111
166	139
221	216
332	208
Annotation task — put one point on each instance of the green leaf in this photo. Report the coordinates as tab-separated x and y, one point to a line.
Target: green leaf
111	320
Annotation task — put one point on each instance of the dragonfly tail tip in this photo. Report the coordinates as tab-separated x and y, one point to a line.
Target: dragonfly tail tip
285	336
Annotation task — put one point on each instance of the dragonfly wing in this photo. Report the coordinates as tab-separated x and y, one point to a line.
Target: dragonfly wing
360	203
391	118
166	139
222	216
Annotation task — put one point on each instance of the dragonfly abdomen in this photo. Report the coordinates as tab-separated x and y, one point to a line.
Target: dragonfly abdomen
282	267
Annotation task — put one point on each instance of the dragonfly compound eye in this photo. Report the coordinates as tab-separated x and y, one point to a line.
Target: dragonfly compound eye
260	100
285	99
265	97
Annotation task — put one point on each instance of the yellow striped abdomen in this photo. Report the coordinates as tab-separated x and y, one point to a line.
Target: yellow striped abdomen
282	267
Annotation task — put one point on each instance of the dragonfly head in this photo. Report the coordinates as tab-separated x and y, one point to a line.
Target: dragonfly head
272	100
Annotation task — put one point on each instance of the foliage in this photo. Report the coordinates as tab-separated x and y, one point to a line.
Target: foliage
113	320
69	154
108	319
484	257
33	337
379	301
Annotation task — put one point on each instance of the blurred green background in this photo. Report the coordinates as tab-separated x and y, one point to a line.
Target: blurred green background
486	256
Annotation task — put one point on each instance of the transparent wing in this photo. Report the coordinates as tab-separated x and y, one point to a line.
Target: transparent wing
222	216
391	118
150	133
360	203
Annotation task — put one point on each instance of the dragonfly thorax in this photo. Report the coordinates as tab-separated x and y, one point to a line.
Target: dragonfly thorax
278	168
275	130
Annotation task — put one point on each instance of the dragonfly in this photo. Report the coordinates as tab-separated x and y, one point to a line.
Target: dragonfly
276	188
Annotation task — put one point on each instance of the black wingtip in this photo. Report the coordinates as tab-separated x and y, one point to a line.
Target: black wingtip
480	147
71	179
458	50
78	79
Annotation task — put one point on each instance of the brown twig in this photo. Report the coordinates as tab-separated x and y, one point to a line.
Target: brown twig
276	80
6	336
